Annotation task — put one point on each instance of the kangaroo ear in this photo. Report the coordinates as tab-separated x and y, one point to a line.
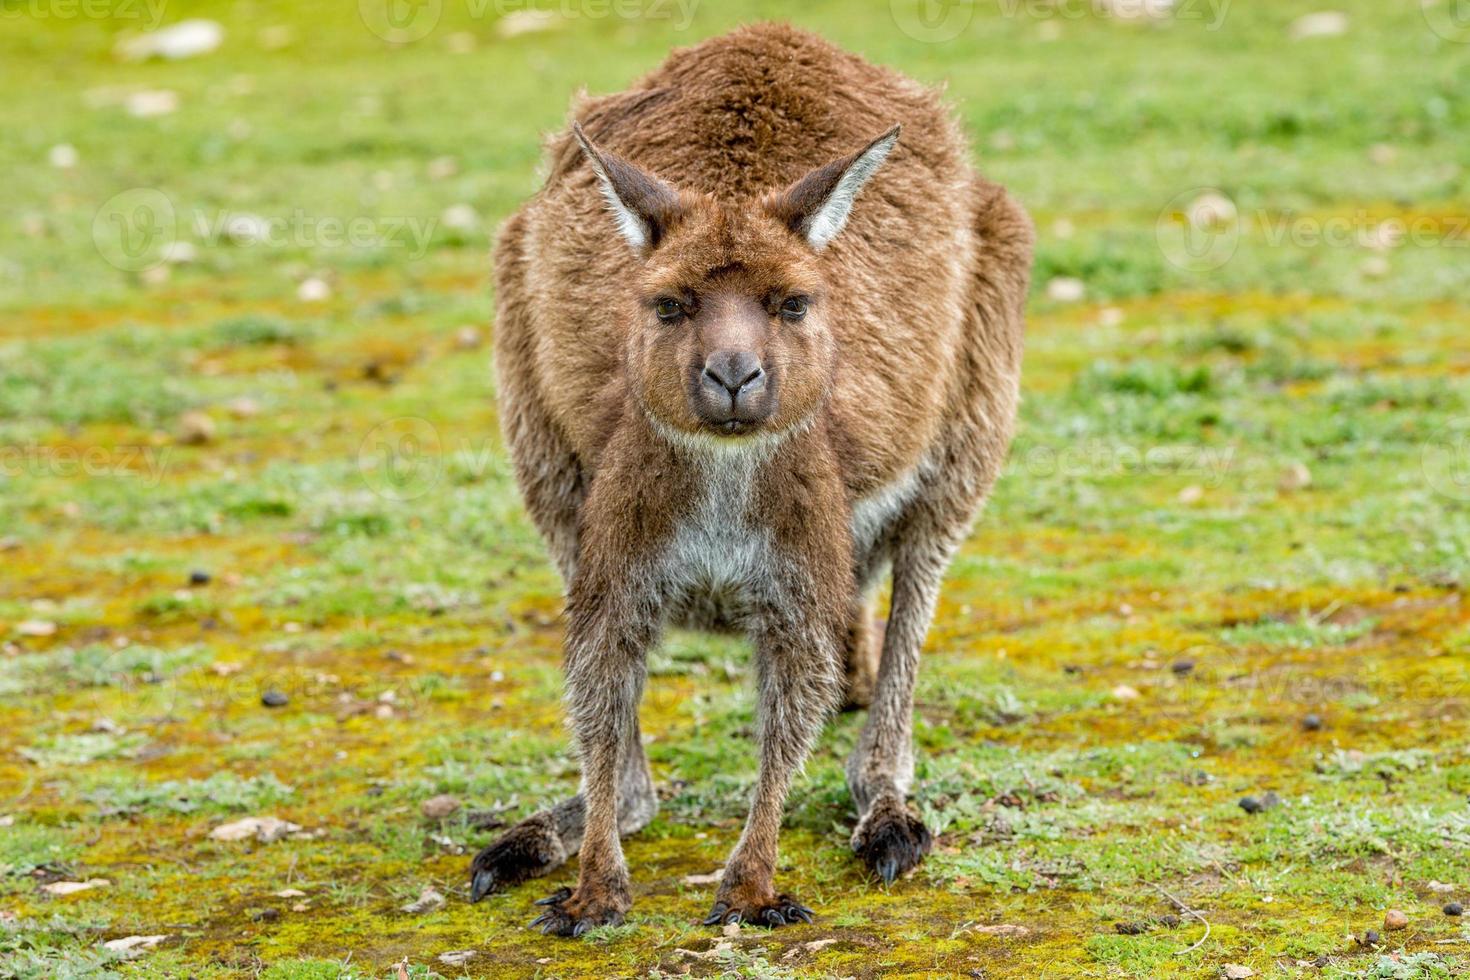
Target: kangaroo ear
816	206
642	205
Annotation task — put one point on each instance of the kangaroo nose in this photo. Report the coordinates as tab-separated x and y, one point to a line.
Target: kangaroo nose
738	372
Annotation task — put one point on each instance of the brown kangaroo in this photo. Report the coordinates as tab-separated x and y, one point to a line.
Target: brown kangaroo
740	380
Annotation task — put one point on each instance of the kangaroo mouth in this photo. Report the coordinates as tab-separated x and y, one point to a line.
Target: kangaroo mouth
733	427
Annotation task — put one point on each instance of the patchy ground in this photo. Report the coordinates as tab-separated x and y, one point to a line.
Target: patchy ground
1228	559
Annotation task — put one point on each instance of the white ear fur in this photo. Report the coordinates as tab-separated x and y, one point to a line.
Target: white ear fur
828	220
640	203
635	229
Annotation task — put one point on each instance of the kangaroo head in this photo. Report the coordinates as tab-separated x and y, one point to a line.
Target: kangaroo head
733	335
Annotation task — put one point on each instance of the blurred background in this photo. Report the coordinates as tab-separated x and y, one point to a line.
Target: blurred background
279	648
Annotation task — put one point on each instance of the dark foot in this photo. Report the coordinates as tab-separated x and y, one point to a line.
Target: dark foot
568	915
891	840
781	910
528	850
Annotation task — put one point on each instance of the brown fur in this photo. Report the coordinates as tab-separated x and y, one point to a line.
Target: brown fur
888	412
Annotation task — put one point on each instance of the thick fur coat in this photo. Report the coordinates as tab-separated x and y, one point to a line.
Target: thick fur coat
734	208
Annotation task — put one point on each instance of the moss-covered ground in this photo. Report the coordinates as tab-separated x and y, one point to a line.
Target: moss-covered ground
1228	558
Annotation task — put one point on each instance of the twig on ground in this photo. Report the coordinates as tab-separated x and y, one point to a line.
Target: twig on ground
1187	911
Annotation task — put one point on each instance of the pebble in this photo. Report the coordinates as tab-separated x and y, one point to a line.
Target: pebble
200	577
314	290
1182	667
1312	723
1371	938
1455	909
274	699
439	807
1259	804
63	156
1325	23
1065	289
428	901
195	429
1395	920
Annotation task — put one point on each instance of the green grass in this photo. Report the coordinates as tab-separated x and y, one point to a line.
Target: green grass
1129	643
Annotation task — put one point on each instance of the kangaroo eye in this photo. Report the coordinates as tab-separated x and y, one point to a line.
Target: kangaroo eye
794	308
668	310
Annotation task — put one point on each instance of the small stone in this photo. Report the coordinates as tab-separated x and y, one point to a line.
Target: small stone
186	39
1125	693
1326	23
1065	289
243	408
195	429
290	893
442	168
314	290
1003	929
731	930
1441	887
1259	804
1455	909
428	901
132	944
36	627
1234	971
63	156
461	218
200	577
1394	920
267	830
528	21
1371	938
151	103
468	338
274	699
439	807
458	957
1312	723
1294	477
713	878
60	888
1130	928
1182	667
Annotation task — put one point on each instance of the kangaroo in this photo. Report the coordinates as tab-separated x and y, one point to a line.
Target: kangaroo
754	351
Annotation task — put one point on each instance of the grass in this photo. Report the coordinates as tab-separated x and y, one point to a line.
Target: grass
1238	498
